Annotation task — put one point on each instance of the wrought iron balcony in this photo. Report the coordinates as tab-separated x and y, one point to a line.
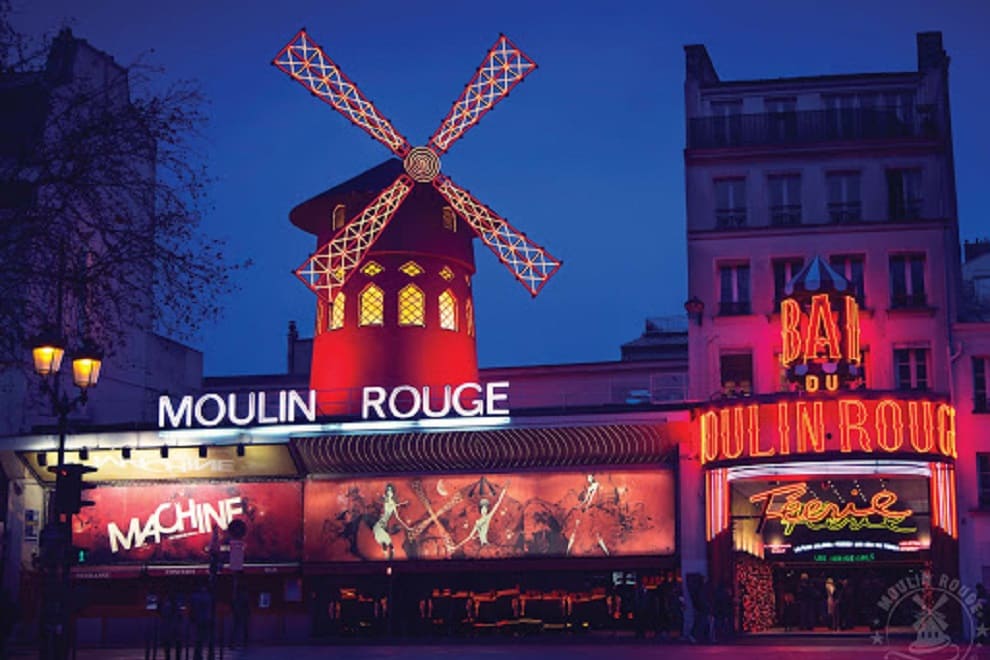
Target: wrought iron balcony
730	218
733	308
908	300
785	215
843	213
806	126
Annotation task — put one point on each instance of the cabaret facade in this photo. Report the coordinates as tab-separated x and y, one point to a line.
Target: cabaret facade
831	345
817	417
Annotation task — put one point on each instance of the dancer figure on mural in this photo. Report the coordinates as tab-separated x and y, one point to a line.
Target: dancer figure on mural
390	507
588	516
483	523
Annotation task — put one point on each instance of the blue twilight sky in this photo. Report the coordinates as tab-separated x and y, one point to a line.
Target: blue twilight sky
585	157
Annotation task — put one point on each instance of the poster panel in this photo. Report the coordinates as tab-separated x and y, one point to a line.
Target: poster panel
175	522
826	519
490	516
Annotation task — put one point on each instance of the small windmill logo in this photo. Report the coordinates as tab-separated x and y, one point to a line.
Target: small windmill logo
935	605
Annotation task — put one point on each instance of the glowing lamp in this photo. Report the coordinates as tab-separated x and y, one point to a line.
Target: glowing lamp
47	352
86	367
695	308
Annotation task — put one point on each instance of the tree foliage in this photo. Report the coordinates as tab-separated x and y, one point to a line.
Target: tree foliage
102	193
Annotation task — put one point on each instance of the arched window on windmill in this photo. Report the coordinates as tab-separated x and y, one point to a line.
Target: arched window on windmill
469	317
372	306
448	311
337	312
412	306
339	216
449	219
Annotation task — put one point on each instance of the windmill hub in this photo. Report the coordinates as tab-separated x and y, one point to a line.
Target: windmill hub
422	164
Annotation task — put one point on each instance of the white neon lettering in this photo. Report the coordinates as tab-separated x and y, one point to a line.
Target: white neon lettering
175	417
477	406
201	403
492	397
307	408
367	402
413	409
446	403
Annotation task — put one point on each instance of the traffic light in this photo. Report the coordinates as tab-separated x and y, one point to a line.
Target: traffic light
78	555
69	487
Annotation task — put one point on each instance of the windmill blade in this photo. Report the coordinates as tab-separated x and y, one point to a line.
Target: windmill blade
531	264
312	68
329	268
503	68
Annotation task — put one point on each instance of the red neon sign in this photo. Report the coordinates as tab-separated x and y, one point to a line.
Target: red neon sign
820	349
784	503
845	425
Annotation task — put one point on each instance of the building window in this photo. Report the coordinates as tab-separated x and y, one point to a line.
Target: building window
448	311
983	478
734	294
449	219
898	108
339	216
904	197
782	119
727	122
911	368
337	312
469	317
411	268
841	116
372	307
850	266
737	374
980	402
784	271
372	268
730	203
907	281
412	304
844	202
785	199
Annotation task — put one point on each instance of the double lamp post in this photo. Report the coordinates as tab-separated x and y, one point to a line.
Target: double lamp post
57	553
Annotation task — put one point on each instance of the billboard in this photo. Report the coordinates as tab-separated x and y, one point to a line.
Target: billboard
821	518
499	516
148	464
176	522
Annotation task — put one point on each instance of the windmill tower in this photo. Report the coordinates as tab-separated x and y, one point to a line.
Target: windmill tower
394	261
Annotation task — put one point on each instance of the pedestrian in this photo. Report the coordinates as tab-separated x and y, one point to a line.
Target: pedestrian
170	621
9	613
200	611
241	610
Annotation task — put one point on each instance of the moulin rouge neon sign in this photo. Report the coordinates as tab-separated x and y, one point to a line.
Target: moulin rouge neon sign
820	349
784	503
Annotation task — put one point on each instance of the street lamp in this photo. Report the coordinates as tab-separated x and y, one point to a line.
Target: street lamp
47	352
695	308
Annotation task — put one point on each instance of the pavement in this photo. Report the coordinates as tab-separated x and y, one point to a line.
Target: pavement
803	648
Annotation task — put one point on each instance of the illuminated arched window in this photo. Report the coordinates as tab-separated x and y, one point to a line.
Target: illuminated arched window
469	317
448	311
372	308
412	304
449	219
337	313
321	315
411	268
339	216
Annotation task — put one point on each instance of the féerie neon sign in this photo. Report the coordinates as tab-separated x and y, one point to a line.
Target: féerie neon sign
820	349
784	503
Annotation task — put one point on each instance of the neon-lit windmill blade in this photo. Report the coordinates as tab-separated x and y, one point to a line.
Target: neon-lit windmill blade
327	270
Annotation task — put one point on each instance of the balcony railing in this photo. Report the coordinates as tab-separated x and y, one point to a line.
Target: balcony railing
908	300
784	215
842	213
733	308
730	218
770	128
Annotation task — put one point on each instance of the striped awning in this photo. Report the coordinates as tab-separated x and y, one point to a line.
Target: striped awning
817	276
488	449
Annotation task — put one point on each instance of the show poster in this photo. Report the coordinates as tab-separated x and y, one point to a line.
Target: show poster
176	522
601	514
831	519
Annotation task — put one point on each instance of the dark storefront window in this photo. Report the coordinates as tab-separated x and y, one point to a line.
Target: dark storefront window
737	374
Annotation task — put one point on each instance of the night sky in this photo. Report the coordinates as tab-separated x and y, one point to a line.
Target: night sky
585	156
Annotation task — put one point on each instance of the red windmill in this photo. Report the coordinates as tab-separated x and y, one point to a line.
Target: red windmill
394	281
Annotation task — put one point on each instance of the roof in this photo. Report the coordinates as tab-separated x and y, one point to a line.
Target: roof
312	214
